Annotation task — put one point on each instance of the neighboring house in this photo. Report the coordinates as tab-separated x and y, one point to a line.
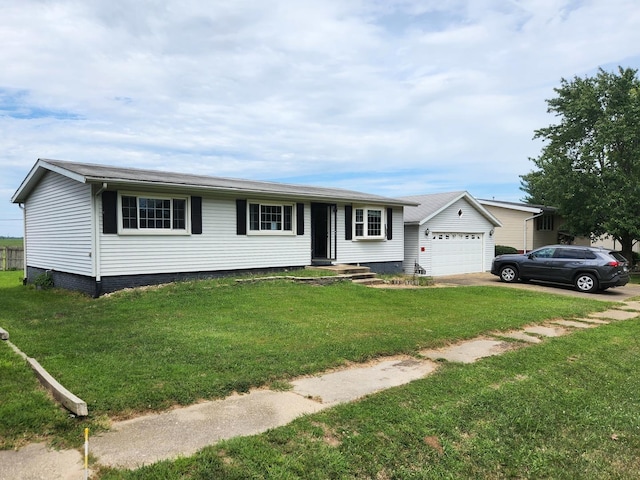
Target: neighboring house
526	227
609	242
99	228
447	234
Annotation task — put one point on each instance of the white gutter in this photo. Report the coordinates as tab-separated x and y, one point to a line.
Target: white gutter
524	249
97	267
24	239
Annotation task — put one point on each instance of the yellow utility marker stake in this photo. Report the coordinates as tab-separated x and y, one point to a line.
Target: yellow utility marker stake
86	454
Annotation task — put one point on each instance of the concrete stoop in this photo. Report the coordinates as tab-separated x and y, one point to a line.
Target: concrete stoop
370	280
183	431
357	274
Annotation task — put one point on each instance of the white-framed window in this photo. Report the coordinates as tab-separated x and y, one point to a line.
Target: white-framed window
368	223
153	214
271	218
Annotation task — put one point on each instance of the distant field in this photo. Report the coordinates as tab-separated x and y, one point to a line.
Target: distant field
10	242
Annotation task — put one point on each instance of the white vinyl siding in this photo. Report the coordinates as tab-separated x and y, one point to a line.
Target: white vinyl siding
453	253
58	225
371	251
411	246
218	248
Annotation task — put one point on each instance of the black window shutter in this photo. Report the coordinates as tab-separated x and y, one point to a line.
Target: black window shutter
196	215
299	218
389	223
348	224
241	217
109	211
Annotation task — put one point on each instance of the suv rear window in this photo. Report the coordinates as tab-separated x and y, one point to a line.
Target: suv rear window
618	257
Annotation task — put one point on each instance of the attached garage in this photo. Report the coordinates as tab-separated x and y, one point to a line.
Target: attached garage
454	252
448	234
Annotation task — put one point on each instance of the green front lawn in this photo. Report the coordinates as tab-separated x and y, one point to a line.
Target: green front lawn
566	409
149	349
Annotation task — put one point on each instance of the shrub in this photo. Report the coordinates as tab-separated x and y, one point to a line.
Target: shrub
502	250
44	281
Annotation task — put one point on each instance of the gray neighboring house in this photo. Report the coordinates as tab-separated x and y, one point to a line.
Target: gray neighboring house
99	228
447	234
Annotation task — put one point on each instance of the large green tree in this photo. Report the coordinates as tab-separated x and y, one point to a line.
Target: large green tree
589	167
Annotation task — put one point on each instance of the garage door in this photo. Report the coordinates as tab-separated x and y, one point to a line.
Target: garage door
454	253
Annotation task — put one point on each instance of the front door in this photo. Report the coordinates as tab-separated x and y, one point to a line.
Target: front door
323	232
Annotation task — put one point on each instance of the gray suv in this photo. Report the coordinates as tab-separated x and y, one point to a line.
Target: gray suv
588	268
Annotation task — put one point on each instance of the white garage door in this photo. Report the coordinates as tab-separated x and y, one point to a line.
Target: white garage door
454	253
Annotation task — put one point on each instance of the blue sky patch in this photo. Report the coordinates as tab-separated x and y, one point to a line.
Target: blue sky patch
17	104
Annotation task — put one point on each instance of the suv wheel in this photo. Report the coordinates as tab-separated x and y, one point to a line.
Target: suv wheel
508	274
585	282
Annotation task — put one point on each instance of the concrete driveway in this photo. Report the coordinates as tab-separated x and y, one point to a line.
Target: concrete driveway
618	294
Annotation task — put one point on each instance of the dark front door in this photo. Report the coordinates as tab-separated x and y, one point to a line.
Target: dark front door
322	232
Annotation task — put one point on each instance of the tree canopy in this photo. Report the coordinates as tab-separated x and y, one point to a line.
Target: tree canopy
589	166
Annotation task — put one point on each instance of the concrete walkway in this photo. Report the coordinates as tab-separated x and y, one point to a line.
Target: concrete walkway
183	431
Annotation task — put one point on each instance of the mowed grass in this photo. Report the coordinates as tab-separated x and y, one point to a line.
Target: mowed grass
565	409
28	413
150	349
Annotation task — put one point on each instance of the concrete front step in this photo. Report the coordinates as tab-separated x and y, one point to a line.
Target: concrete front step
342	269
367	281
361	276
358	274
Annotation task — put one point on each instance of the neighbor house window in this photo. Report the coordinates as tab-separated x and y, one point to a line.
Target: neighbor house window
145	213
368	223
270	218
545	223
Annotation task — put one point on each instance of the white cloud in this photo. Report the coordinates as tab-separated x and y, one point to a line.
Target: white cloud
390	97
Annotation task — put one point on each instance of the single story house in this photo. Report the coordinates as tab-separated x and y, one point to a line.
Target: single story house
99	228
447	234
526	227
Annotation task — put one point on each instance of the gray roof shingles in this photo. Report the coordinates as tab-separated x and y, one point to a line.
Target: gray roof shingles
103	173
428	205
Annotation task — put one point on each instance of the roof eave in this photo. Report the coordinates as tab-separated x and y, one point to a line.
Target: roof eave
520	208
35	175
483	211
249	191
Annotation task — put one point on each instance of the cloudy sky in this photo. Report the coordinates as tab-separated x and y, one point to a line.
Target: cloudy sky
392	97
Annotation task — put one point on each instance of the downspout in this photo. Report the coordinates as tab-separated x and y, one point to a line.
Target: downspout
97	267
24	241
524	250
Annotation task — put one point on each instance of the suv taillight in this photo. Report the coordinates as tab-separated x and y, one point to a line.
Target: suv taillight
613	264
